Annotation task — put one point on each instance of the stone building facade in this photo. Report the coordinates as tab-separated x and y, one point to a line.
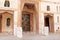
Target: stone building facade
18	16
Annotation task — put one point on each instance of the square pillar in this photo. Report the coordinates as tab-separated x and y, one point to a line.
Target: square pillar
17	24
41	23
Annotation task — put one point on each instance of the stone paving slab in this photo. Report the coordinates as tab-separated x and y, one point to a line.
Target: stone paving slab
31	37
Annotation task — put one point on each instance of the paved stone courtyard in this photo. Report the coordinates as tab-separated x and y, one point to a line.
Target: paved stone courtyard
28	36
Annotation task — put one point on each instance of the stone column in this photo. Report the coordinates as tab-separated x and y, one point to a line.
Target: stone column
17	24
40	18
41	23
18	21
37	17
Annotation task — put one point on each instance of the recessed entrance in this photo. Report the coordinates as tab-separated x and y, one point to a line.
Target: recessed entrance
27	17
6	22
26	22
49	23
30	18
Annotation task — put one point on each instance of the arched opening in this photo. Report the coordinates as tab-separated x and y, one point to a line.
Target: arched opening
49	22
7	3
6	22
29	18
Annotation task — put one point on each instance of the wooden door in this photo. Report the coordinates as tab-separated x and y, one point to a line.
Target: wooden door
26	22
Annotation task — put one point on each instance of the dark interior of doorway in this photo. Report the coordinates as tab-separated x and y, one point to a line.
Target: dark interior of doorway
47	23
26	22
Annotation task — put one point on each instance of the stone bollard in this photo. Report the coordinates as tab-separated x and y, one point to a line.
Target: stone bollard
46	30
18	31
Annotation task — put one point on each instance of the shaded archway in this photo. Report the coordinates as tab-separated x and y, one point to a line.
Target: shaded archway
29	9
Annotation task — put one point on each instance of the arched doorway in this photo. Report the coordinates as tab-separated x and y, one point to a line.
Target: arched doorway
28	17
49	22
6	22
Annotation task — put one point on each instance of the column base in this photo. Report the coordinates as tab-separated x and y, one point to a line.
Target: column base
18	31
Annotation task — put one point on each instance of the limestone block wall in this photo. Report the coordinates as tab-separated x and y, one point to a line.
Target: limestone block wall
17	29
44	7
41	23
52	0
54	9
13	4
56	22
